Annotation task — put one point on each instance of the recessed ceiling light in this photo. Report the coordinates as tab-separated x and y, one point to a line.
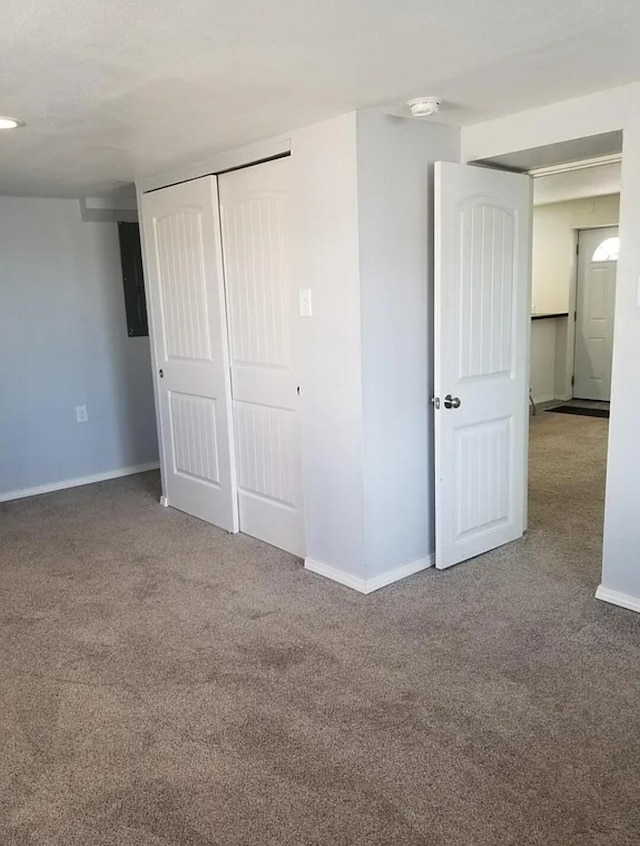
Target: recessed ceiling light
10	123
422	107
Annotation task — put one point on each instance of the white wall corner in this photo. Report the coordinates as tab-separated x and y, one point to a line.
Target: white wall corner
622	600
398	573
369	585
336	575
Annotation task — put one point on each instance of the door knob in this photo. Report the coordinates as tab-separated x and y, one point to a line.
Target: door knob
451	402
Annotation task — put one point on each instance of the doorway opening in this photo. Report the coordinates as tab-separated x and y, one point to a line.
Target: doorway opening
575	246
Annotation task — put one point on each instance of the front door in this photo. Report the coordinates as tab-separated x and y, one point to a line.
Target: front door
595	299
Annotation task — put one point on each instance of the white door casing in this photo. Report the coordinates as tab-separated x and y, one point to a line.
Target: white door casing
595	300
189	335
481	342
262	309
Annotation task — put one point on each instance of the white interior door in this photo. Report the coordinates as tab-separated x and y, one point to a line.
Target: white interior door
262	333
595	299
482	324
188	327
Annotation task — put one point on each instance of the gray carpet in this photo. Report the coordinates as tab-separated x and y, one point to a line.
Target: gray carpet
164	683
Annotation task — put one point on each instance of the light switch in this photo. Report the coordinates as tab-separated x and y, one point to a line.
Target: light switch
304	299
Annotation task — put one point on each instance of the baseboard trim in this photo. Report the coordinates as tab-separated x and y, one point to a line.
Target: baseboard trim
77	483
398	573
623	600
368	585
543	400
545	405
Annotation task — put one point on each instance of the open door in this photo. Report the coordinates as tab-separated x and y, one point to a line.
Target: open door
185	291
481	342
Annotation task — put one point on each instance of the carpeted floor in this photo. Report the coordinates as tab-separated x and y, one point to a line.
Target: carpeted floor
164	683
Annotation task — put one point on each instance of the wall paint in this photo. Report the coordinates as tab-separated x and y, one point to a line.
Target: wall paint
63	342
597	181
544	351
554	247
605	111
325	259
395	212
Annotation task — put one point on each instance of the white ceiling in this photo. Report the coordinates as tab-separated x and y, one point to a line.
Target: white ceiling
576	184
112	89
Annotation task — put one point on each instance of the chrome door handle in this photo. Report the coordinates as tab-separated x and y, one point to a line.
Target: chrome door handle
451	402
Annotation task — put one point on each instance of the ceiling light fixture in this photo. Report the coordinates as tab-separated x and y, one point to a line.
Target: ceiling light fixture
423	107
10	123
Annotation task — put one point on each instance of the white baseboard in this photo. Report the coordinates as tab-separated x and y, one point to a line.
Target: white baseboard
623	600
398	573
543	399
164	501
335	575
76	483
368	585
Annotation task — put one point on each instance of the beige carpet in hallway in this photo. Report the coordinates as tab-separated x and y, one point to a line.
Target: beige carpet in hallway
164	683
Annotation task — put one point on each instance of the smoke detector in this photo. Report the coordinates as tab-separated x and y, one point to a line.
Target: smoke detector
423	107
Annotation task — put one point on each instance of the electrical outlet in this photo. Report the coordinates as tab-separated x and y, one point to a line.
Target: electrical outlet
82	415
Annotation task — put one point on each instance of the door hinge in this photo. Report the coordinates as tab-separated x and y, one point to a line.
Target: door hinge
575	316
573	381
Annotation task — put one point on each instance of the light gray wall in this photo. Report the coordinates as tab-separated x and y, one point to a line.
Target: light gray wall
395	203
547	363
325	245
64	342
363	244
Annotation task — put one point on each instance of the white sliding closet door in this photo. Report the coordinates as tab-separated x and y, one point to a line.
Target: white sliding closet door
188	327
262	333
